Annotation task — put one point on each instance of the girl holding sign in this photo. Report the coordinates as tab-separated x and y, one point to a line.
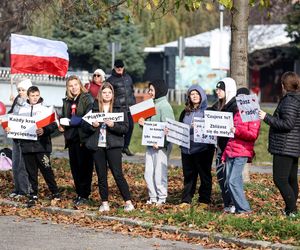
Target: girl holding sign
196	160
239	150
284	141
156	159
226	92
106	143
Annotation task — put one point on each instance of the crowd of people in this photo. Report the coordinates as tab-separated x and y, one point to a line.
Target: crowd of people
101	144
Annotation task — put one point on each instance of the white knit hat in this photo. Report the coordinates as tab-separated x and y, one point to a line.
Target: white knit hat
24	84
100	72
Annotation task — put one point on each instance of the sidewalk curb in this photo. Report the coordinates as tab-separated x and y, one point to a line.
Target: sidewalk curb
164	228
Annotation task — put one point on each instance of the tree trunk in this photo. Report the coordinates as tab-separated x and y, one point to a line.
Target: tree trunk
239	51
239	42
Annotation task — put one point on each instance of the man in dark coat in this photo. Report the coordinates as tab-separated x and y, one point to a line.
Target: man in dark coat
124	97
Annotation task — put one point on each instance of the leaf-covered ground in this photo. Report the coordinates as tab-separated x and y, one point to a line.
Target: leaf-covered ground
266	222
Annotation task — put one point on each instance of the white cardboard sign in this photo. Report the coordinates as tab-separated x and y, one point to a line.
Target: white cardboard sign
248	107
101	117
22	127
199	132
178	133
218	123
153	133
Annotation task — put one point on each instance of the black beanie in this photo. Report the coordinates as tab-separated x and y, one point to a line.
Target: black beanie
220	85
161	88
242	91
119	63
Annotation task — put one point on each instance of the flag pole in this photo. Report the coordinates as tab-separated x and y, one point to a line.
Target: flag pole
11	98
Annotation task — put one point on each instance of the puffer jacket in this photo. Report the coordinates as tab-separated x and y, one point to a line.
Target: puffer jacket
188	118
123	89
114	135
284	134
242	145
84	103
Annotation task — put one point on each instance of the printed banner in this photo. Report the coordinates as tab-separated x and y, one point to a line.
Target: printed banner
218	123
248	107
178	133
101	117
153	133
22	127
199	132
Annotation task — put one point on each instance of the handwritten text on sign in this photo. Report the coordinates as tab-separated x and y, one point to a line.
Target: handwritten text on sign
178	133
199	132
218	123
248	107
22	127
153	133
101	117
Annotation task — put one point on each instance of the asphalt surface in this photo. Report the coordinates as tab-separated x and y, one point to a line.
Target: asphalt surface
35	234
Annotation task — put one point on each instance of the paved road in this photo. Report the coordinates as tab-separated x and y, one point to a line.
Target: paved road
34	234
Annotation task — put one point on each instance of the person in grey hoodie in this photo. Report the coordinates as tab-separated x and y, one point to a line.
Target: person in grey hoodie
197	160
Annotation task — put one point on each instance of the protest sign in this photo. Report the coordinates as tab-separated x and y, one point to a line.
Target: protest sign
199	132
22	127
153	133
178	133
248	107
101	117
218	123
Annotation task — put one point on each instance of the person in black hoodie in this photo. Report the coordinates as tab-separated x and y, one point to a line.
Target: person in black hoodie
124	97
106	143
36	154
226	92
284	141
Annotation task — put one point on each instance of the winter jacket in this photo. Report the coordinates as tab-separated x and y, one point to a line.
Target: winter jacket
18	103
114	135
93	88
284	134
84	103
123	89
245	135
43	143
188	118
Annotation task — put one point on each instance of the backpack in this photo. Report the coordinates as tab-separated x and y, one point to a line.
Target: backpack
5	159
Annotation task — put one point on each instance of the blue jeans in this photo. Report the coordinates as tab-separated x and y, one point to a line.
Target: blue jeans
234	182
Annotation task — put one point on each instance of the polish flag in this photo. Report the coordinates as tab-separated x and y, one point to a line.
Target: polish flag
35	55
143	109
4	121
47	117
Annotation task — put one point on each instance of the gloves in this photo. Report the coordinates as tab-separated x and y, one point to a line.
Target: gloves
75	120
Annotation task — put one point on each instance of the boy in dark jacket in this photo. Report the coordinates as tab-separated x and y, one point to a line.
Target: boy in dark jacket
37	153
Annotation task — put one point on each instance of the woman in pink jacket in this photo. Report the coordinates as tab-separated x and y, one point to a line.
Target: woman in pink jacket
240	150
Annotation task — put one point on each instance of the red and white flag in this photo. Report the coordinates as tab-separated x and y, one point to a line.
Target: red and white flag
47	117
4	121
35	55
143	109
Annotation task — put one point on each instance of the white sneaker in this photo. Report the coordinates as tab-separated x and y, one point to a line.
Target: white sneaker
128	207
230	209
160	202
151	201
104	207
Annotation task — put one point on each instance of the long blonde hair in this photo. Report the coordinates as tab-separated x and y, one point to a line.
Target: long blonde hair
82	88
105	85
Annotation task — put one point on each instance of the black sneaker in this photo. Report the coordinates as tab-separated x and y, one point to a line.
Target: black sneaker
32	201
55	196
81	201
127	152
